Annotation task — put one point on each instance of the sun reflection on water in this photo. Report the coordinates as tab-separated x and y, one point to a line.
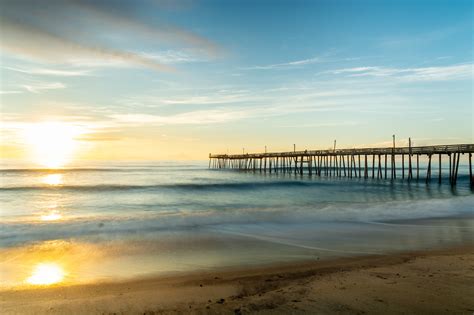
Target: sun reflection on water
46	274
53	179
52	216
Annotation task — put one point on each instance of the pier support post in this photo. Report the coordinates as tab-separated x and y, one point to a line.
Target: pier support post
379	172
439	174
410	171
296	164
428	170
471	180
392	168
457	168
301	165
403	166
349	166
355	165
310	165
453	169
330	165
373	166
417	167
450	174
344	165
366	170
358	156
341	162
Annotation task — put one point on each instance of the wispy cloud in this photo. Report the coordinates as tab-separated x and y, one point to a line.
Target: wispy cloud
301	63
280	107
154	99
51	72
67	33
189	118
232	104
9	92
244	95
324	124
219	97
41	45
440	73
286	65
42	86
102	136
213	116
172	57
120	15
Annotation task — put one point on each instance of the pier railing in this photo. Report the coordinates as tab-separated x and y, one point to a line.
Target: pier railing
347	162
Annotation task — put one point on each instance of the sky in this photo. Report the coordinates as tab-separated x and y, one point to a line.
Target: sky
165	80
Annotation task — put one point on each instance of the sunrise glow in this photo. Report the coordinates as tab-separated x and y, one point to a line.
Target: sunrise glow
52	144
46	274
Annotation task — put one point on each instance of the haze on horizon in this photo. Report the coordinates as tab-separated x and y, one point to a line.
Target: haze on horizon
146	80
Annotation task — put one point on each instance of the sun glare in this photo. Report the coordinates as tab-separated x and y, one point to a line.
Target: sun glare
53	179
51	216
52	144
46	274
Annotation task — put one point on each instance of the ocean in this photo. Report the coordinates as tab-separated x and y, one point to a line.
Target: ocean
113	222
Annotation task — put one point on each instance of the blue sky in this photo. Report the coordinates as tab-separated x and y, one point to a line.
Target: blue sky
165	80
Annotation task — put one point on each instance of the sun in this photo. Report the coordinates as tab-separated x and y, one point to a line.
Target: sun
52	144
46	274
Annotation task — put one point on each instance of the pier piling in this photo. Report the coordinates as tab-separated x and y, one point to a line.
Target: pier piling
347	162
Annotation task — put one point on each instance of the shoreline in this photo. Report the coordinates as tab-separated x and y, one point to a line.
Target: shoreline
424	281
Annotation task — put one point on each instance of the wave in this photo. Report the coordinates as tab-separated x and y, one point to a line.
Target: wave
263	184
96	169
203	186
380	215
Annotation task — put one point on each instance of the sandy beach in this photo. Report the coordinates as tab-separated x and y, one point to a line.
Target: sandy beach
424	282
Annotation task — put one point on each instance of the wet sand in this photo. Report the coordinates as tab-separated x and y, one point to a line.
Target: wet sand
423	282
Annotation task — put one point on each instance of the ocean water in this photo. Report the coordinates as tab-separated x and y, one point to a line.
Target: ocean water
114	222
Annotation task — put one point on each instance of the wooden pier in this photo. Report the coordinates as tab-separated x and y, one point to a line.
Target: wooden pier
380	163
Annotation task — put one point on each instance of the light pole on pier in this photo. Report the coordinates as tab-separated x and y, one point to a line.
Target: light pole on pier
334	145
265	149
393	136
294	147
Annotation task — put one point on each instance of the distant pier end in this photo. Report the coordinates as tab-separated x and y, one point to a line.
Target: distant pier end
357	163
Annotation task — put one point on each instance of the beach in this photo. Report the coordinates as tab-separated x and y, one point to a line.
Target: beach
180	238
422	282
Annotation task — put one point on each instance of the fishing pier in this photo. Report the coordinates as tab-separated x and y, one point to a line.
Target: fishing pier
380	163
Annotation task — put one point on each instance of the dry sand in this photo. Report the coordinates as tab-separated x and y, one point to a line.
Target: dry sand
429	282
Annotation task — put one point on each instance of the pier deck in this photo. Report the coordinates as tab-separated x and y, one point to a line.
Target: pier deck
358	162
